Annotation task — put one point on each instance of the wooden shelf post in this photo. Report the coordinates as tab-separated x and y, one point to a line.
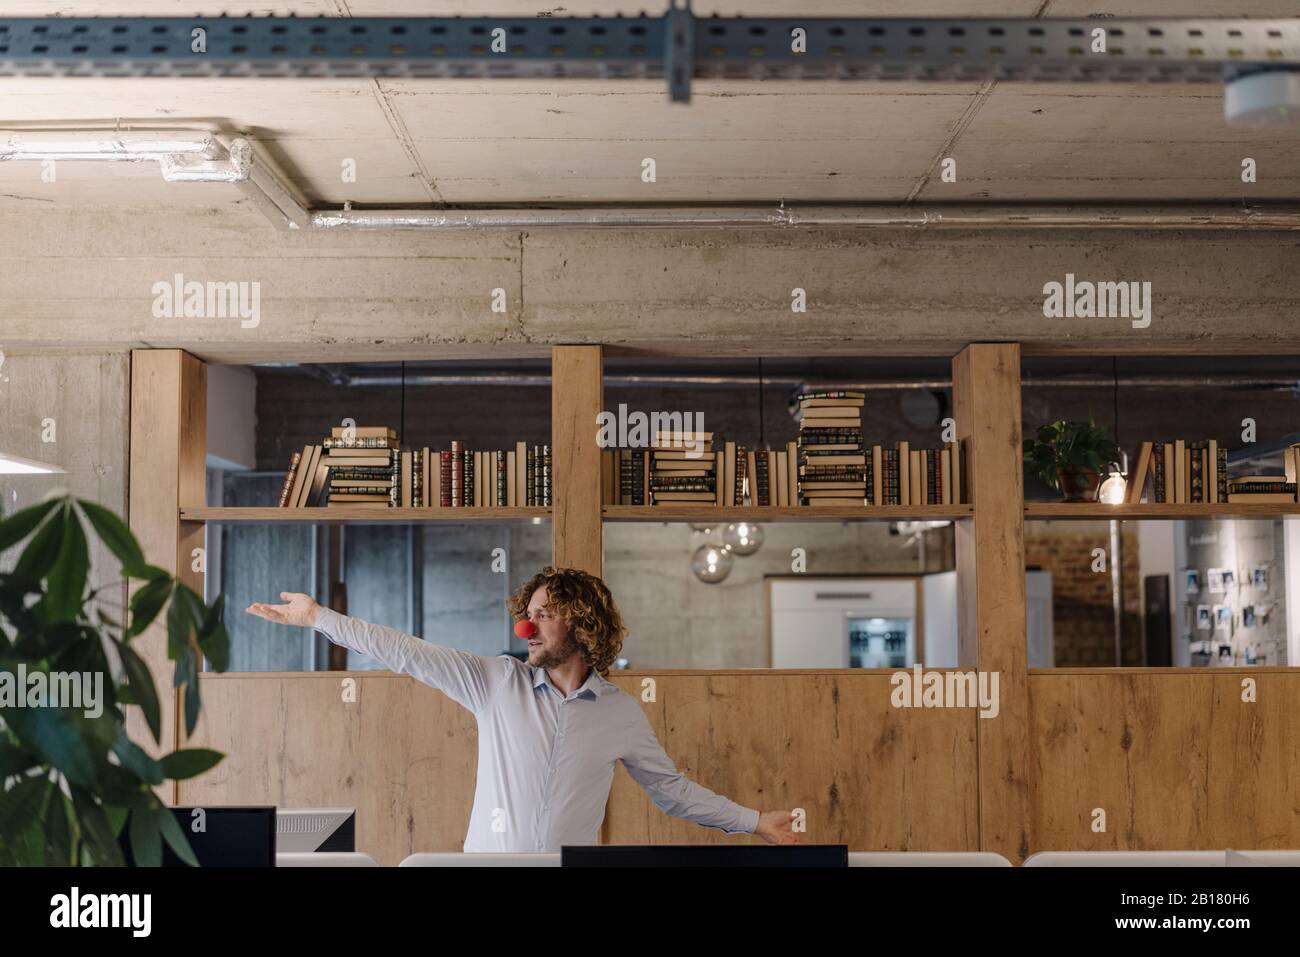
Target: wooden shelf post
169	403
577	397
991	616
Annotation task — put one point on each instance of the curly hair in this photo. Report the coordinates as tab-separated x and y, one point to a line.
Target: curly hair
585	601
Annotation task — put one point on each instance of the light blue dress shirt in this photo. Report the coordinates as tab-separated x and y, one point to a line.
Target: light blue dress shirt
545	760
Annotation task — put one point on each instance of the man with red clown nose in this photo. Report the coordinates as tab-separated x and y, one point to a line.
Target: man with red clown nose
551	728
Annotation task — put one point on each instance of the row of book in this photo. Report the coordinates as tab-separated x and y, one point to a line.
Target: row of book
827	465
665	472
367	467
1191	472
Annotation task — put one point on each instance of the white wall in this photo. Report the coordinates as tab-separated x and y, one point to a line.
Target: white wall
232	417
1158	554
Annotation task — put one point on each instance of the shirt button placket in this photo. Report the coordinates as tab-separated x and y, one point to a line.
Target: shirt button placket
550	774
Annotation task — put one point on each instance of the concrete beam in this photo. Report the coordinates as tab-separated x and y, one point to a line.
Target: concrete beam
86	280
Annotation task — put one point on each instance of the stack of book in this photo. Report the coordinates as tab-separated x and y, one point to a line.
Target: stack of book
1269	488
366	467
832	465
684	468
355	466
362	463
1261	489
1182	472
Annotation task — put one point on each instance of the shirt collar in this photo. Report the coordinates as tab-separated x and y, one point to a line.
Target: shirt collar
594	683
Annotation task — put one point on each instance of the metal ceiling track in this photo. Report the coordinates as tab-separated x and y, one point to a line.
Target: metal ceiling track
194	156
678	46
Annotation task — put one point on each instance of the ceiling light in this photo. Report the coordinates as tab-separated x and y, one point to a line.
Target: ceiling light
1268	98
14	465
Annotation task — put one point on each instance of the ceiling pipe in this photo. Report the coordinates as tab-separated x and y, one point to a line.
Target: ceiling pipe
198	156
842	215
182	157
338	375
109	146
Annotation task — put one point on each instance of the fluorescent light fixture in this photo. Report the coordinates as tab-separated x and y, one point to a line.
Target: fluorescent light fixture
13	465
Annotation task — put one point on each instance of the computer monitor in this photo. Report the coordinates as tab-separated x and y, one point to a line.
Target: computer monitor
705	855
220	837
325	829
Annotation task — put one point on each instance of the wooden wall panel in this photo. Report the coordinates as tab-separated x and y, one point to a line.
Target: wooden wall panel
869	775
991	616
403	754
1174	756
576	400
168	446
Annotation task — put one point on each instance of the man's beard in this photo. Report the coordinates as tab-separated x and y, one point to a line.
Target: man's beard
553	659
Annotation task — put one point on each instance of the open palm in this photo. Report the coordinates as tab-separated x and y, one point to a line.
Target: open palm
299	609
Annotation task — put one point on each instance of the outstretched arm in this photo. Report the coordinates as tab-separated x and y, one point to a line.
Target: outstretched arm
467	679
676	794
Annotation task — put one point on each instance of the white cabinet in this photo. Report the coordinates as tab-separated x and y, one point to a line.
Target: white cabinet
886	622
844	622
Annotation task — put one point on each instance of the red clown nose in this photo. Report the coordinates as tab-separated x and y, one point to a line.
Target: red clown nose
525	628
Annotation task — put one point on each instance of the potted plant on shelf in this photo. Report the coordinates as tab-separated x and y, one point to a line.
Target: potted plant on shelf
71	779
1069	456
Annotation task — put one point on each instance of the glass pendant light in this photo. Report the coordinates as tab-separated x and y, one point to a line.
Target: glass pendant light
711	563
743	538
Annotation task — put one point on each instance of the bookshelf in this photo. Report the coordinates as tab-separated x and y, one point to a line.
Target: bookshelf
1094	511
785	513
563	407
344	515
568	407
1021	770
1135	398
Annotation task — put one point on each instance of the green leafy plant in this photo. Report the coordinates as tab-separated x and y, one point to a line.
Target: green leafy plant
1069	450
70	784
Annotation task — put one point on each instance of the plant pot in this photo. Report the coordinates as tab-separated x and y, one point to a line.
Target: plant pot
1070	490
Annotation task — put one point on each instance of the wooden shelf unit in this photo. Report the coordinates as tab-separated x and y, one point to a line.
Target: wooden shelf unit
1019	774
1157	510
785	513
1055	511
344	515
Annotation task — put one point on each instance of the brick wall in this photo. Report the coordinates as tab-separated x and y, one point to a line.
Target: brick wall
1083	623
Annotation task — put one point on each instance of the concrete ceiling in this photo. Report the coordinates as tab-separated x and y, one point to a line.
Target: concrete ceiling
509	142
